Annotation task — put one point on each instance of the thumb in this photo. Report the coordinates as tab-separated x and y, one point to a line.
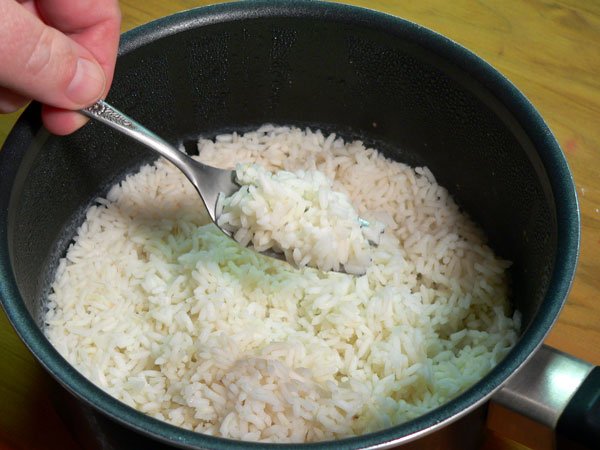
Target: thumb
40	62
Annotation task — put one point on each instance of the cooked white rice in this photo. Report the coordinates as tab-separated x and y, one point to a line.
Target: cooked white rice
299	215
180	322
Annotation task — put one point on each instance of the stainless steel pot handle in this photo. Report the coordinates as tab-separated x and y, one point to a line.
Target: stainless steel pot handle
560	392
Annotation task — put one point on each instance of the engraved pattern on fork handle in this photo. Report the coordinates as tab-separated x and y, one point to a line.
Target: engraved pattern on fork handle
102	109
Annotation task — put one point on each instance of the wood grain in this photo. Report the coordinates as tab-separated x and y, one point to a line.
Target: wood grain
549	49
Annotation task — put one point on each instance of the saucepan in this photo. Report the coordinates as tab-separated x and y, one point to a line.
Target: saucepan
419	97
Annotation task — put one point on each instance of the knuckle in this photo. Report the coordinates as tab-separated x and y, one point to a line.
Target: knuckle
40	53
47	54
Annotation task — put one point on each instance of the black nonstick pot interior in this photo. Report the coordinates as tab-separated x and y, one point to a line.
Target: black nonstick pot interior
420	98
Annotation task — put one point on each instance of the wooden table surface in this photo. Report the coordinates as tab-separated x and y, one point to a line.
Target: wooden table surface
550	49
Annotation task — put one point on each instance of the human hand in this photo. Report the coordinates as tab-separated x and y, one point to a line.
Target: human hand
59	52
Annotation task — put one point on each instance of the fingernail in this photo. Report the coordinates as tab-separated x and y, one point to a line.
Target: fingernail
87	84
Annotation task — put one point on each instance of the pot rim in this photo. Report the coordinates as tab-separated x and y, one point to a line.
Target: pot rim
28	129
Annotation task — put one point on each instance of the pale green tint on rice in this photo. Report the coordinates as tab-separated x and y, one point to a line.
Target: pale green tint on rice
178	321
